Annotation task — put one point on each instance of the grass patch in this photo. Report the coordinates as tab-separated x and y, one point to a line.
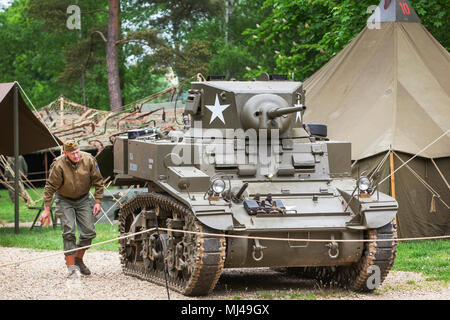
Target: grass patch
431	258
49	239
298	296
25	214
286	295
7	207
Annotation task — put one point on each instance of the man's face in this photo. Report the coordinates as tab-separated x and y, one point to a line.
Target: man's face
74	156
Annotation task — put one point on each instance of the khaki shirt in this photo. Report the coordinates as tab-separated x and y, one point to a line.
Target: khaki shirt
74	181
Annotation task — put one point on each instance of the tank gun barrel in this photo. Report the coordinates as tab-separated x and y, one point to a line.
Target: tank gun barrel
278	112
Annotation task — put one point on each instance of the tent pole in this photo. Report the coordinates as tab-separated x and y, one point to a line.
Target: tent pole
16	158
391	162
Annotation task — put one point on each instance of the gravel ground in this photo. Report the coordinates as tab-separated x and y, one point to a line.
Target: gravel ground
46	279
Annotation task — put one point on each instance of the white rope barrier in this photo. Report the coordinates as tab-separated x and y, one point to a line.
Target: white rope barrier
222	235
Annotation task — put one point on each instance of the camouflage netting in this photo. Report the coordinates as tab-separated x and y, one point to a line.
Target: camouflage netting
96	129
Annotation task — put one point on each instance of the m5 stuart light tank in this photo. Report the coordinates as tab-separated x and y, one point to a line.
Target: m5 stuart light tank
248	184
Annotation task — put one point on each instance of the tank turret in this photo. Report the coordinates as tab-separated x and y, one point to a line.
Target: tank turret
257	105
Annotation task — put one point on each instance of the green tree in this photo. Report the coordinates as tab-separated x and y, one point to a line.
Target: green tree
95	55
101	17
29	56
435	16
236	38
222	34
186	56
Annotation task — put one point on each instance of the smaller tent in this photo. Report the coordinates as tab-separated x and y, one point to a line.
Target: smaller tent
33	135
30	133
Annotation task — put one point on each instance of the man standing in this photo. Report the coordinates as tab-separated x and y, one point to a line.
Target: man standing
71	176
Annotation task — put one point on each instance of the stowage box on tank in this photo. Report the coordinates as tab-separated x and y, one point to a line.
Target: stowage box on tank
247	168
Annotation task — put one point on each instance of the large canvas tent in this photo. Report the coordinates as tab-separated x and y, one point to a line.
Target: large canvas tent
388	92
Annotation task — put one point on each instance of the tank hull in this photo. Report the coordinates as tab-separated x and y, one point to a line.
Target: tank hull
247	185
247	252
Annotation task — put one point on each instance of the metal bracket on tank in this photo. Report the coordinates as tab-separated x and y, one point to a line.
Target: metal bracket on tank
258	250
333	246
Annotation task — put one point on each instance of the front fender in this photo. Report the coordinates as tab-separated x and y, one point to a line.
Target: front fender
376	219
374	211
379	213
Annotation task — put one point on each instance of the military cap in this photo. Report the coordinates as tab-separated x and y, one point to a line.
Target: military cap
70	145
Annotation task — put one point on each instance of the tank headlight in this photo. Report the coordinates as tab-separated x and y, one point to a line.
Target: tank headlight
218	186
363	183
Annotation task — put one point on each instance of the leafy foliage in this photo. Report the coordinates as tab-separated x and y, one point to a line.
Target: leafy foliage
27	55
237	38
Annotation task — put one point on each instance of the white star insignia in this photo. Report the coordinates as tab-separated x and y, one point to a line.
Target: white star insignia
217	110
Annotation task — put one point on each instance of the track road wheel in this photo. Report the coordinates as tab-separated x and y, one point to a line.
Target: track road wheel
194	261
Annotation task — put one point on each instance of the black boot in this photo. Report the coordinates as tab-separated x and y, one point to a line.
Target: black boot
83	269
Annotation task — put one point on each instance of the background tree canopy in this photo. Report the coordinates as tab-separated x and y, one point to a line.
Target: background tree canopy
236	38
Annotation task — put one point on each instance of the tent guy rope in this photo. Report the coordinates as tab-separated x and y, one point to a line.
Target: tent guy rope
425	148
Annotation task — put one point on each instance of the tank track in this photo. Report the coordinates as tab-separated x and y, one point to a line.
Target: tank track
357	276
202	256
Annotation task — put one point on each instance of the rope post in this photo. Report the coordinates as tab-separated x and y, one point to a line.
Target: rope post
16	158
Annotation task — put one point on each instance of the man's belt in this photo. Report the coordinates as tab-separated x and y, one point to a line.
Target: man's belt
72	199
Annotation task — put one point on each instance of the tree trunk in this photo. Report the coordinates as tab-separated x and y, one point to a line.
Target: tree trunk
112	59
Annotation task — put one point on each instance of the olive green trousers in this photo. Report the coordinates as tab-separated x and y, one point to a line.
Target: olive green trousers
75	213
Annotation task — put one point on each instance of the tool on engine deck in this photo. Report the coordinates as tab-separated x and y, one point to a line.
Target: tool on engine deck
267	206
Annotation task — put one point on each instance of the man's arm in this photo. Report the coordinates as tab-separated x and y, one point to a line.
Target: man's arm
97	182
53	183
